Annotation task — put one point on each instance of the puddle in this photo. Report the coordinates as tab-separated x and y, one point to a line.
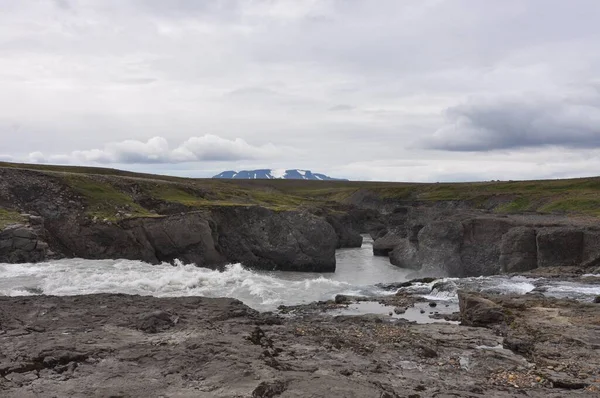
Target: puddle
419	313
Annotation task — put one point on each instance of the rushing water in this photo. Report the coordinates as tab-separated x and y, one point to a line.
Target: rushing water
358	271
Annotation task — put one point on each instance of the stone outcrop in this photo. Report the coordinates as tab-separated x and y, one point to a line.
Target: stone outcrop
116	345
21	244
436	238
462	244
439	248
281	240
476	310
189	238
559	247
518	250
385	244
481	245
254	236
59	223
405	255
347	234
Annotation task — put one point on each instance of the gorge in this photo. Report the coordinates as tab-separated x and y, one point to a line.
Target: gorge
454	230
121	284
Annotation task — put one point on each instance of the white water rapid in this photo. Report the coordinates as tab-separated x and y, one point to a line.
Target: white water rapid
358	271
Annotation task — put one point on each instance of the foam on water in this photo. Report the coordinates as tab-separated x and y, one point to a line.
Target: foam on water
76	276
357	273
573	290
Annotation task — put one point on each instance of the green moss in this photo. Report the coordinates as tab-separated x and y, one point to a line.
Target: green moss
104	200
107	191
276	199
574	205
518	205
8	217
173	193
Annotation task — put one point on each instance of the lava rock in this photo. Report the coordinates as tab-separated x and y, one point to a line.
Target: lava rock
559	247
518	250
384	245
157	321
405	255
476	310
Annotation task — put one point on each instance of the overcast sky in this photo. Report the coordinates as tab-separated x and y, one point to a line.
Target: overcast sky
412	90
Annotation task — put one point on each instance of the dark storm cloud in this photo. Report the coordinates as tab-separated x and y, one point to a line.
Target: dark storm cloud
483	124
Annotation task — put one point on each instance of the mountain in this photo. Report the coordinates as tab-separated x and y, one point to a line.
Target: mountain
276	174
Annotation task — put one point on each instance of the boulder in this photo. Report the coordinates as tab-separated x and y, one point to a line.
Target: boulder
518	250
405	255
559	247
384	245
476	310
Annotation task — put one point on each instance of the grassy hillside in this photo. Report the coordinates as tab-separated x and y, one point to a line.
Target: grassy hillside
108	189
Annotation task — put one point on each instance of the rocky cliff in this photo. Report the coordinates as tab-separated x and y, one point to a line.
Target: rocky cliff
460	243
58	224
435	229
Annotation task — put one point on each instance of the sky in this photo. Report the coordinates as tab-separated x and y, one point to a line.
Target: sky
388	90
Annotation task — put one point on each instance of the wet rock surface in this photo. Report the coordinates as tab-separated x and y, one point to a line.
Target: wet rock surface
133	346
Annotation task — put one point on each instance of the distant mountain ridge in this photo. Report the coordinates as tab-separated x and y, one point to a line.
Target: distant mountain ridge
276	174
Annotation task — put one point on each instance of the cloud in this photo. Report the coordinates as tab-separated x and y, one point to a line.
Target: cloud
439	166
490	123
157	151
341	107
419	75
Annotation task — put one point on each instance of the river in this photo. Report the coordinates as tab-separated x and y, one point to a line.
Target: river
358	272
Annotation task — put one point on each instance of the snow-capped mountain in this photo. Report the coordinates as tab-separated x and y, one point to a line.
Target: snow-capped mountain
276	174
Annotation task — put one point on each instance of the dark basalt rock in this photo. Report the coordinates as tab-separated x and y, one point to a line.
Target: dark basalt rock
269	389
518	250
84	346
21	244
476	310
346	234
157	321
559	247
439	248
405	255
384	245
267	239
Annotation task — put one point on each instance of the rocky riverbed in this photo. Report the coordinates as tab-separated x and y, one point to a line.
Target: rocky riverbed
110	345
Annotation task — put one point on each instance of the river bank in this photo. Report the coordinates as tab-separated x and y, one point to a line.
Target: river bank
110	345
